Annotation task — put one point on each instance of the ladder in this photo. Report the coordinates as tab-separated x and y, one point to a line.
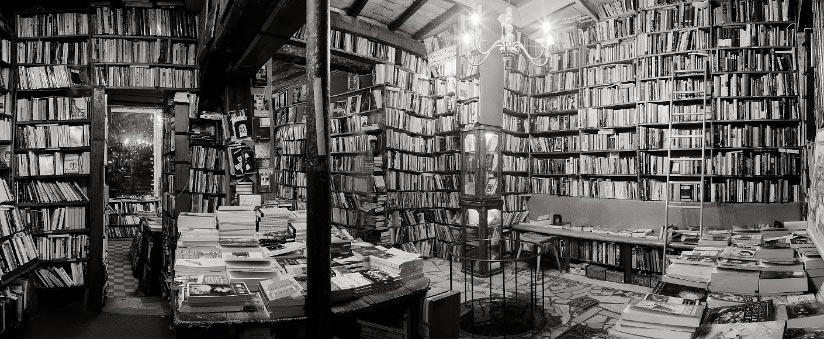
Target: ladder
670	137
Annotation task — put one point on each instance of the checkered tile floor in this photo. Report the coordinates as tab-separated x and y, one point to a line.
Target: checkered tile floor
121	281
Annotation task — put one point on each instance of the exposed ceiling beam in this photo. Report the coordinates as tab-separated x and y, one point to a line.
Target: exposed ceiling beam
588	8
406	14
536	10
356	7
439	20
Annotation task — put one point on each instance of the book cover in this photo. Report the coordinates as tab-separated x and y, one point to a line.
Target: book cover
747	313
680	291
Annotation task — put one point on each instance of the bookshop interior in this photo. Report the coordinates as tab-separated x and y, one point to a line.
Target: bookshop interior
411	169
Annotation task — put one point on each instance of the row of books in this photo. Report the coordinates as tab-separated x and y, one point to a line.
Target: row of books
52	108
144	76
52	24
207	158
54	219
728	163
16	251
144	22
160	51
62	246
595	188
42	77
726	191
58	276
129	206
57	163
681	16
49	192
121	232
206	181
52	136
52	52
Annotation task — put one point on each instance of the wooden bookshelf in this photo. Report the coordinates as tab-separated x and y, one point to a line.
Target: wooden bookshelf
709	34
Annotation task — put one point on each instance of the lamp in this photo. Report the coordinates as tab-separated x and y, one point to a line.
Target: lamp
507	44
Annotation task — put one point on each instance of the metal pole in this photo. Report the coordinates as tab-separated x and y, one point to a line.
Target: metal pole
318	309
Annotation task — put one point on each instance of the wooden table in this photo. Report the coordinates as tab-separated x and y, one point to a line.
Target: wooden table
195	325
626	244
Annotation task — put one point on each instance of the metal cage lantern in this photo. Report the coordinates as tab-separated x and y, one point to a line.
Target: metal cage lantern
481	163
482	219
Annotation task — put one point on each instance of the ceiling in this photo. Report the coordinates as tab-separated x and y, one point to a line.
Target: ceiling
422	18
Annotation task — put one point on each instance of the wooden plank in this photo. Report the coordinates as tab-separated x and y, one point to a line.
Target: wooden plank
591	11
338	61
439	20
96	275
356	8
378	33
395	24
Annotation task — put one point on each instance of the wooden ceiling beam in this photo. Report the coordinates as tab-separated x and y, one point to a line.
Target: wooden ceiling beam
356	7
412	9
375	32
439	20
591	11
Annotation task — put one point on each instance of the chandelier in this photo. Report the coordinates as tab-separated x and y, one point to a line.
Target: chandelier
509	46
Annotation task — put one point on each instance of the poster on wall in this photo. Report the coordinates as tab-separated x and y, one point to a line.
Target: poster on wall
815	196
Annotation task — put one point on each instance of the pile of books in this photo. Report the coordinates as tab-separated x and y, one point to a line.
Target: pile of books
206	298
197	229
248	265
659	316
237	225
397	263
283	296
273	219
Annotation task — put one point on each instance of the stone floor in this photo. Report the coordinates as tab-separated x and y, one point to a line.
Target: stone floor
574	299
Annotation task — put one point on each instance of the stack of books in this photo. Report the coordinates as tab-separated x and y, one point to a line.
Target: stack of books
237	225
692	268
206	298
283	296
197	230
397	263
273	219
298	222
248	265
658	316
209	258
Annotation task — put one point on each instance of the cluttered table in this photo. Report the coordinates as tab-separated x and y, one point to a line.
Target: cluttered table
567	232
260	316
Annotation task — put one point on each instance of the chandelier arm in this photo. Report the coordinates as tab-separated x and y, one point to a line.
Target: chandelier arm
532	59
485	54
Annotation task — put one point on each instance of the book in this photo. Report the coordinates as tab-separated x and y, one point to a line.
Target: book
205	294
765	329
805	314
759	311
650	311
782	282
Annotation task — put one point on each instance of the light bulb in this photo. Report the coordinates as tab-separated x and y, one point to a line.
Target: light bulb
546	27
467	38
475	19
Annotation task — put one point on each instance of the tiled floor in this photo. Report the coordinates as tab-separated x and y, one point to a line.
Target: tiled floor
121	281
573	299
123	295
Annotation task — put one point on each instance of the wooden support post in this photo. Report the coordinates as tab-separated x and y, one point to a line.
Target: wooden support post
318	307
96	274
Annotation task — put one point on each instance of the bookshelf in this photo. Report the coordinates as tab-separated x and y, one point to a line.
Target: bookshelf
443	68
288	178
601	106
125	215
262	126
52	176
143	47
